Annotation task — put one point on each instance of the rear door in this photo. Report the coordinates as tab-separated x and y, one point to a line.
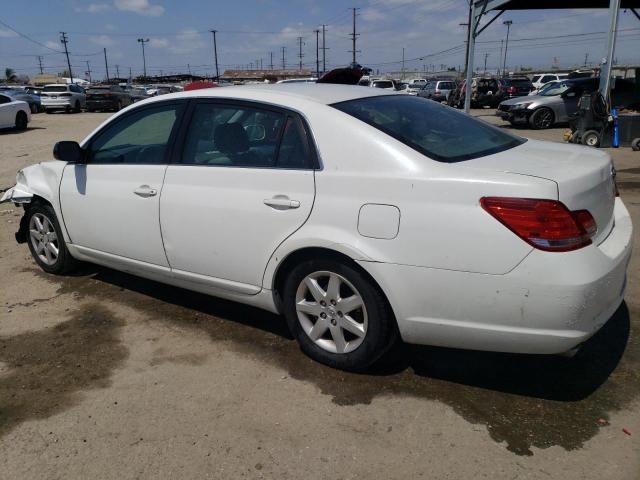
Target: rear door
243	182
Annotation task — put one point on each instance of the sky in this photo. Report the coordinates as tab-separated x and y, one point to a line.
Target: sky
429	31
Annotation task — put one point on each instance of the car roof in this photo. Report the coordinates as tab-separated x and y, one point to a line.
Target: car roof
283	93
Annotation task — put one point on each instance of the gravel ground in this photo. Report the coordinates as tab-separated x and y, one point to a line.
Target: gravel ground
103	375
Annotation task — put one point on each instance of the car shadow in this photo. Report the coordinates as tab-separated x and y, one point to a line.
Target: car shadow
540	376
13	131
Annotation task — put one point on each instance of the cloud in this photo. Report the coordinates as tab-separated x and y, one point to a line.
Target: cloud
53	45
372	15
158	43
102	40
142	7
7	33
94	8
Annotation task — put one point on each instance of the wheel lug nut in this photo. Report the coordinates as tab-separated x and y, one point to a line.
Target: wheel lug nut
323	303
339	314
333	302
323	315
333	322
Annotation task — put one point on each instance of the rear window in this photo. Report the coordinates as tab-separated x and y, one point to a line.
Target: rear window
517	82
55	88
439	132
383	84
447	85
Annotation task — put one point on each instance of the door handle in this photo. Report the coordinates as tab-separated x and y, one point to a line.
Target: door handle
281	202
145	191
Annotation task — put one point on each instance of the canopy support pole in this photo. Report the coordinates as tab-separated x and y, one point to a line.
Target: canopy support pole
475	19
607	62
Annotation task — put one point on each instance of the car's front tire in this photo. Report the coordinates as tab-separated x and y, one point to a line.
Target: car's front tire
21	121
541	118
337	314
46	243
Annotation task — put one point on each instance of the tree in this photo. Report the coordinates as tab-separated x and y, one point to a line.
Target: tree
10	74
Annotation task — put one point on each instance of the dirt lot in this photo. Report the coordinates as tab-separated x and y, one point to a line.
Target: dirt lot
103	375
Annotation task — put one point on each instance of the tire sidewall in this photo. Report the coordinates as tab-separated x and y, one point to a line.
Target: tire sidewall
535	114
64	258
380	323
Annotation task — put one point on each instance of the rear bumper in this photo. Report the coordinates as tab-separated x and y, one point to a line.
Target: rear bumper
58	103
100	104
548	304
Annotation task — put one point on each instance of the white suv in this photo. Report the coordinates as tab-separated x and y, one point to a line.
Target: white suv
63	97
539	80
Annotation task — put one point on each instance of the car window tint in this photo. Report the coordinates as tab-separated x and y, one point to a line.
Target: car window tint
436	131
138	138
229	135
294	148
4	99
548	78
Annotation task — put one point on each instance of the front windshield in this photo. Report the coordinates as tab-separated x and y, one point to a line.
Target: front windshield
436	131
554	89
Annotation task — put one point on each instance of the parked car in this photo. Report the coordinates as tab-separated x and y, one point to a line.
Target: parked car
364	81
438	90
69	98
511	87
14	113
417	82
554	104
33	100
505	244
543	78
108	97
384	84
484	93
414	88
138	93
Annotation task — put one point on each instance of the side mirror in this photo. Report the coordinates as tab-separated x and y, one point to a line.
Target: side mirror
68	151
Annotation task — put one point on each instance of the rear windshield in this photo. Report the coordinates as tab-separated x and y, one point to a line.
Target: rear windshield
55	88
517	82
383	84
437	131
98	90
447	85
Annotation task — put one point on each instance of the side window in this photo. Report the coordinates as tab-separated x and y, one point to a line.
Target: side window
547	78
230	135
4	99
294	149
138	138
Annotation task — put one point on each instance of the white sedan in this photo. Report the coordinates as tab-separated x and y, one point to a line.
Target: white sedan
14	113
365	217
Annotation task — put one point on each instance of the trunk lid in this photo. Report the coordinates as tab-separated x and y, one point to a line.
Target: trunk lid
585	177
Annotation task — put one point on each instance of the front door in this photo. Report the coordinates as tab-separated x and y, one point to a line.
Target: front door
111	204
243	183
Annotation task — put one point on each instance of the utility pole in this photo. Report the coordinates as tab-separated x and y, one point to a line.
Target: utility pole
468	25
144	58
40	64
284	64
64	40
89	71
118	71
106	64
354	35
402	77
300	55
189	69
485	63
324	49
499	72
586	59
506	45
215	54
317	32
271	61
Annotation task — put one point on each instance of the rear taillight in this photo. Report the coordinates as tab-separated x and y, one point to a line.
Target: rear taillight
545	224
511	89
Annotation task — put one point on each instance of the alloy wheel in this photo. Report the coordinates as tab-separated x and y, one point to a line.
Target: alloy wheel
44	239
544	118
331	312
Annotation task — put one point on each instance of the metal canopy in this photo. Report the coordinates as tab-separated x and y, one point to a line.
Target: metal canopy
481	7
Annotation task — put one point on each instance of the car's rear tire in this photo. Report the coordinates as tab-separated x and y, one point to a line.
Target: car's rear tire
21	121
34	108
635	145
541	118
46	243
590	138
337	314
77	108
48	111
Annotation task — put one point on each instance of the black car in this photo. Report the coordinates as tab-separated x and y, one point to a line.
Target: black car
510	87
108	97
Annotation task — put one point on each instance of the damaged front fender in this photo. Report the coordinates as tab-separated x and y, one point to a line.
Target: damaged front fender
18	194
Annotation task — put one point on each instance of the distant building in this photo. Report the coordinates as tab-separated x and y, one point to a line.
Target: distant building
41	80
262	75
